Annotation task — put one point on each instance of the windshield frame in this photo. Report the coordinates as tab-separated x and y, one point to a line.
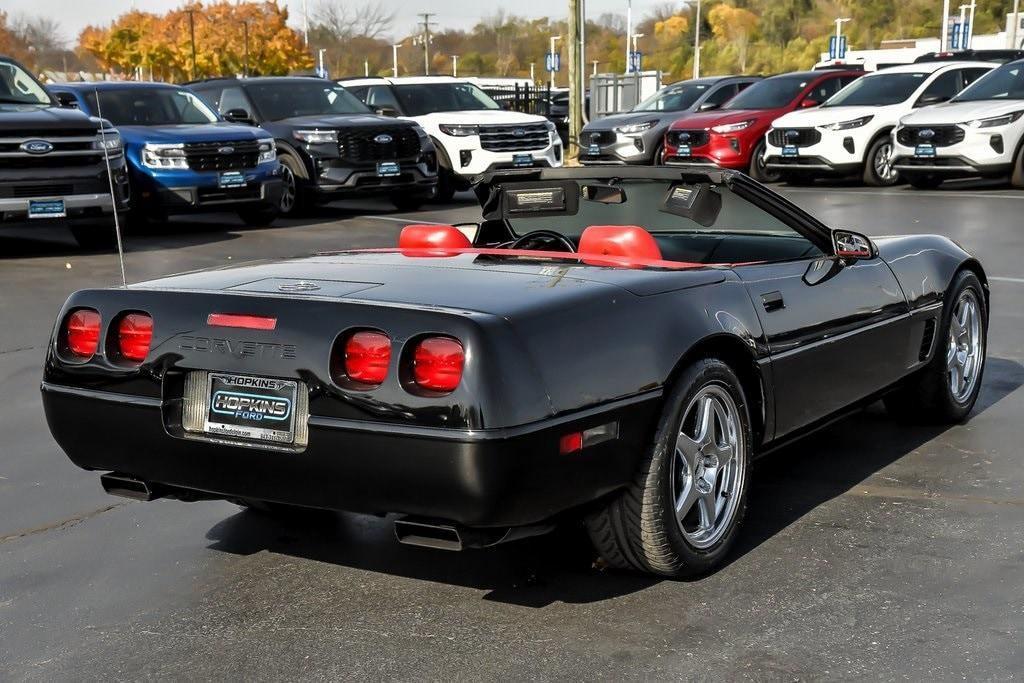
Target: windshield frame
403	90
90	97
992	75
768	84
252	93
858	84
19	72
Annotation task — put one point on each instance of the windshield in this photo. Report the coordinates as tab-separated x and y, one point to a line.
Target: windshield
287	99
150	107
877	91
425	98
18	87
770	93
1004	83
674	98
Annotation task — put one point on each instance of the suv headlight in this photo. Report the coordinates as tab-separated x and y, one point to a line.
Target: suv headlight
459	130
156	155
994	121
109	141
268	150
847	125
733	127
635	128
316	137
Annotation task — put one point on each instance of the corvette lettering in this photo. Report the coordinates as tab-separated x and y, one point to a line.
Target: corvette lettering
237	348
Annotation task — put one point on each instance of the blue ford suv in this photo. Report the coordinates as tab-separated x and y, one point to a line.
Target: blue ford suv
182	156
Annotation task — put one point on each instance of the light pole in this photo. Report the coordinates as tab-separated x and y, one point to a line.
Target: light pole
554	39
970	26
455	66
629	27
1016	23
944	34
305	24
320	61
696	44
532	79
394	59
839	32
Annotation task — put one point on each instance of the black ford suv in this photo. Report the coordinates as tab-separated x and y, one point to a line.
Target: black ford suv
52	166
331	146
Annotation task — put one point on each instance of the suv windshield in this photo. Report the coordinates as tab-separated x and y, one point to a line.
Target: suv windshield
1004	83
18	87
418	99
150	107
674	98
770	93
286	99
877	90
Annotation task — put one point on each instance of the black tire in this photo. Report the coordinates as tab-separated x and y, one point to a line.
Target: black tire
445	185
882	145
259	217
659	156
758	171
408	202
928	394
638	529
95	235
293	177
922	181
1017	177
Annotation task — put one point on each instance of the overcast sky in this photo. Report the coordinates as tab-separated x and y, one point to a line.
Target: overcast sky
73	15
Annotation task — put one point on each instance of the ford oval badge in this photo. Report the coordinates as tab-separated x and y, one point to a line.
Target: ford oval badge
383	139
36	147
225	150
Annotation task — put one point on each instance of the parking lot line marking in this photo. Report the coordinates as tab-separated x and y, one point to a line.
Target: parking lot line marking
1016	280
399	219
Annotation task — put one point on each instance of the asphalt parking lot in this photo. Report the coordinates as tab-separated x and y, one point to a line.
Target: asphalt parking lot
871	549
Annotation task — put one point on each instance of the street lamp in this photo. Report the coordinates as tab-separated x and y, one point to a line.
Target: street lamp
696	44
839	32
455	66
554	39
394	59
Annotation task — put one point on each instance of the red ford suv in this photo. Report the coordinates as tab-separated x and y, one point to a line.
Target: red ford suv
733	136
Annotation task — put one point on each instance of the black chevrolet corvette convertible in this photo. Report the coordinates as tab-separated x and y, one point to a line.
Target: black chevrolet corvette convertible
613	345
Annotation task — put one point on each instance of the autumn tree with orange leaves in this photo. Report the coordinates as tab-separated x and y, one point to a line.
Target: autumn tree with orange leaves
160	45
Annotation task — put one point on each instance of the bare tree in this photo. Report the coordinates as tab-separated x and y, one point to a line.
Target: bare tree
344	22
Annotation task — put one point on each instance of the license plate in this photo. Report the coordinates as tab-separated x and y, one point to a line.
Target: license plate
522	160
232	179
387	169
594	150
924	151
790	151
46	208
683	151
255	409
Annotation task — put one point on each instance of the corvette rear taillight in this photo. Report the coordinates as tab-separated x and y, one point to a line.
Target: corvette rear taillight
134	335
367	356
82	332
437	363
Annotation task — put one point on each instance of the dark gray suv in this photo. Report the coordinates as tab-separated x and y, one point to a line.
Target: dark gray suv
636	136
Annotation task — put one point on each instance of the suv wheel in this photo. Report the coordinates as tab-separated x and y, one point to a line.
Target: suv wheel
758	170
1017	178
445	185
291	171
878	169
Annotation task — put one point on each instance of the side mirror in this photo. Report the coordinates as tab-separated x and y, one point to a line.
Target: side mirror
387	111
707	106
925	100
239	116
807	104
852	245
66	100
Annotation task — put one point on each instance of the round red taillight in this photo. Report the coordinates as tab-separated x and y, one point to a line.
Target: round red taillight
82	332
134	335
437	363
367	356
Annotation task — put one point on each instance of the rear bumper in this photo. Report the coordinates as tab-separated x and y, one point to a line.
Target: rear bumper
483	478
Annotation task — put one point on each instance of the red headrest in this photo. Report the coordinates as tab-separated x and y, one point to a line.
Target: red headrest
432	237
630	241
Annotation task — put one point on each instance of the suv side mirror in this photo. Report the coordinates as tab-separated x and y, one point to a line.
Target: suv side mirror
239	116
925	100
66	100
387	111
852	246
707	106
808	103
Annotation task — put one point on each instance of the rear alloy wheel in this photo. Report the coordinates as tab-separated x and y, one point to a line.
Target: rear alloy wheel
682	512
878	168
759	171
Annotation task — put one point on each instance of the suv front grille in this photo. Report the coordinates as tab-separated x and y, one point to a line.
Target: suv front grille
29	191
233	155
940	136
799	137
598	137
504	138
67	148
361	144
693	138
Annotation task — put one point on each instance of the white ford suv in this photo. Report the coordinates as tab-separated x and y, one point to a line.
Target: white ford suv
979	133
850	133
471	132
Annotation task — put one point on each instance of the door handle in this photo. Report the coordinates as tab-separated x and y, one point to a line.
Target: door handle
773	301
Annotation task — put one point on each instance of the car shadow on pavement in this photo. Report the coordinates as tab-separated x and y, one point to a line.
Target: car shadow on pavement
560	567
